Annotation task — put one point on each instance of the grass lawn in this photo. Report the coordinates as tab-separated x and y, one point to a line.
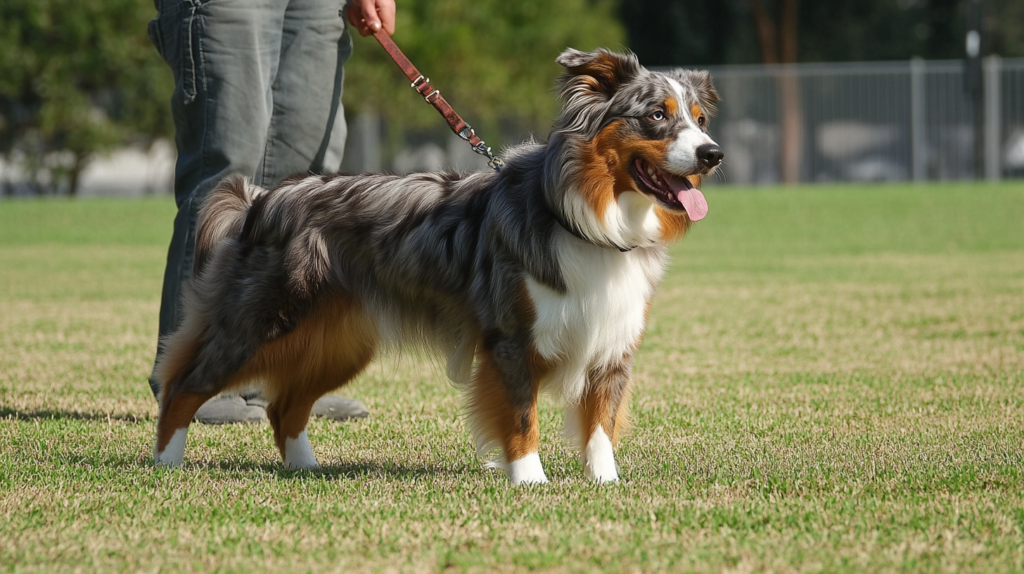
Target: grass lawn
833	380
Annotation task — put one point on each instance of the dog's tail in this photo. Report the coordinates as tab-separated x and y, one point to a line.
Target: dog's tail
187	360
222	216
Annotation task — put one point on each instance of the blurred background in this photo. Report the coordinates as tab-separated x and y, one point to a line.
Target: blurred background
872	90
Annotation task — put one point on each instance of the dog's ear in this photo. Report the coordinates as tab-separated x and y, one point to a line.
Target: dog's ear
707	95
600	72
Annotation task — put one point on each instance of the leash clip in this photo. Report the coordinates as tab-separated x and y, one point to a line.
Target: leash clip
494	163
467	133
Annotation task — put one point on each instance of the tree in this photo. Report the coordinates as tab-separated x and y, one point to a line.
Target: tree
79	79
1004	19
778	38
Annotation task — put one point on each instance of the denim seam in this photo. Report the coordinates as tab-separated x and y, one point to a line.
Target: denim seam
189	87
203	138
268	142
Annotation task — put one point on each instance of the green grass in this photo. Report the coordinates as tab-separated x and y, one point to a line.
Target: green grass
833	380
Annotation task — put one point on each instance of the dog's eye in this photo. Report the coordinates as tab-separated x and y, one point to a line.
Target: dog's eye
701	121
658	116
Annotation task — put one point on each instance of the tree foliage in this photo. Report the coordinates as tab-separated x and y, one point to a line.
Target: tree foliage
79	78
490	58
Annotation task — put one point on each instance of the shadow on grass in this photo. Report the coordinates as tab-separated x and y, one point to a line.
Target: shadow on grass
56	414
339	471
331	471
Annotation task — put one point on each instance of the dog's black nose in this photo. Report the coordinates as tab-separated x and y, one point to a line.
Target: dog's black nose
710	154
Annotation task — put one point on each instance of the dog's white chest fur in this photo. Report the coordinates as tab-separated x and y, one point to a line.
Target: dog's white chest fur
598	319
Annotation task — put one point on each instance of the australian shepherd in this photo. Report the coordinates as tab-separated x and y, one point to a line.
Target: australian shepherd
539	277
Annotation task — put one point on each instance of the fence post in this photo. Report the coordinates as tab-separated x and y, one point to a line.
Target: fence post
918	125
993	67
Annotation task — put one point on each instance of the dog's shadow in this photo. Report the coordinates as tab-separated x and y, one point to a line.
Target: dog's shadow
341	470
328	470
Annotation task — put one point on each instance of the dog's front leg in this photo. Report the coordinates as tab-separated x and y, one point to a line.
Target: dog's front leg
602	414
503	409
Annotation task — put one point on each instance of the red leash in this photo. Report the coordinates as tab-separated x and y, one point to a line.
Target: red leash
421	84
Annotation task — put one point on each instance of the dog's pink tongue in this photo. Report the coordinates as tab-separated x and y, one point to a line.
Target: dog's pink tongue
691	197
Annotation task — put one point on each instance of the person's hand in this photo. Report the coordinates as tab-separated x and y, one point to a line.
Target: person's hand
368	16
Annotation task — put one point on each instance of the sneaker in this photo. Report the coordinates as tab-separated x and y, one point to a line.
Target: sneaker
339	408
252	408
227	409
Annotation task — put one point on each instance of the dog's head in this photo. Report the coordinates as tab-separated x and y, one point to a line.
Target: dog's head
637	146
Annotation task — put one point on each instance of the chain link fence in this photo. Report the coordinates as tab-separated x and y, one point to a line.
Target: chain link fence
885	121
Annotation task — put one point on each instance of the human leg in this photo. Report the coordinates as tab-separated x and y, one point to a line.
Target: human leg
307	127
222	55
257	92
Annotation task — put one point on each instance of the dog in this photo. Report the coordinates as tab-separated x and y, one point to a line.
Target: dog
539	277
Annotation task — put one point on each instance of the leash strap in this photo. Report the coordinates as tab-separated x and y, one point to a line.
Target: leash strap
421	84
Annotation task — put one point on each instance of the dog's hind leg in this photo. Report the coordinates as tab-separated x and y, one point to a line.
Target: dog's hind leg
176	408
172	427
190	372
290	409
599	419
289	416
328	349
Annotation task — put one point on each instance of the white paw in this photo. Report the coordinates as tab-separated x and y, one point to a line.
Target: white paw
527	470
599	458
604	478
298	453
174	452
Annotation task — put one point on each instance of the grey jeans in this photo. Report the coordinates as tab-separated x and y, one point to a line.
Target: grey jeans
257	92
